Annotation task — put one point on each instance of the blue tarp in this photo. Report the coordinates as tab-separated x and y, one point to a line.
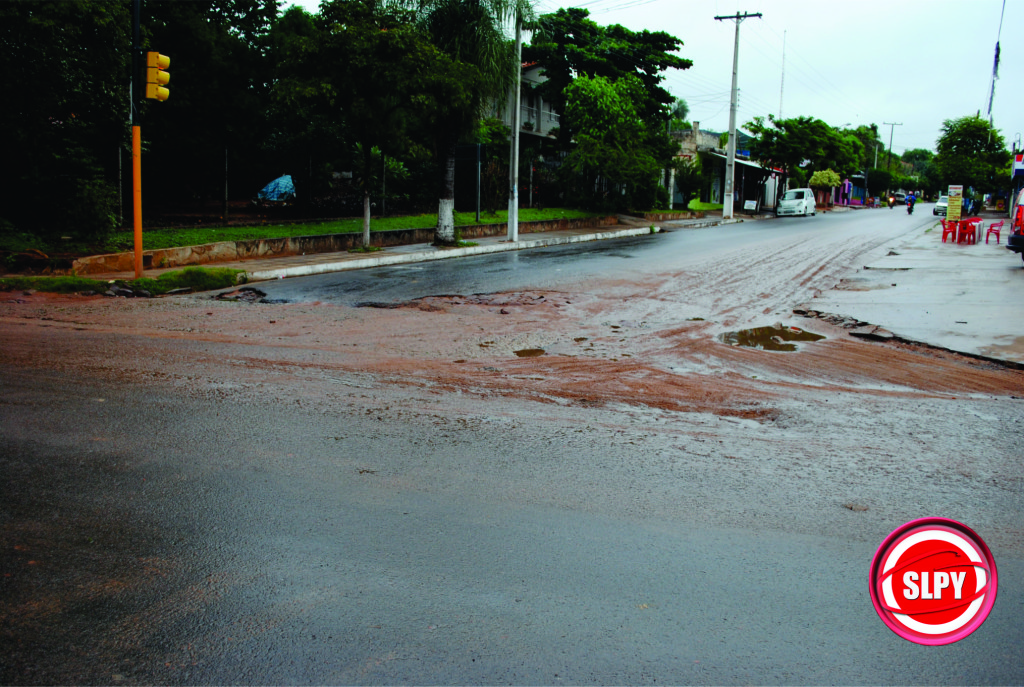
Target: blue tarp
281	188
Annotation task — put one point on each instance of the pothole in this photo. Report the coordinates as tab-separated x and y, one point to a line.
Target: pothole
248	294
529	352
775	338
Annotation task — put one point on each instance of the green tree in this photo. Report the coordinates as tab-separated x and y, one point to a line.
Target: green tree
919	158
470	33
221	74
879	181
824	179
679	111
371	68
613	142
689	178
804	144
870	142
972	153
63	68
303	119
567	43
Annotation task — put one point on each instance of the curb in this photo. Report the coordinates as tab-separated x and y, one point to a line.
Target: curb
437	254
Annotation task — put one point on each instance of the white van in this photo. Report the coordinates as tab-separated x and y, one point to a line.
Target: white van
797	201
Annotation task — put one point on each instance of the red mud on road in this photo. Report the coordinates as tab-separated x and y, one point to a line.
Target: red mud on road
627	346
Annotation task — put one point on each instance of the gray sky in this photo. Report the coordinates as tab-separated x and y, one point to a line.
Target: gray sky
917	62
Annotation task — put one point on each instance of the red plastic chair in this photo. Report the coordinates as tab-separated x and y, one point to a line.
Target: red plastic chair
949	228
968	232
994	228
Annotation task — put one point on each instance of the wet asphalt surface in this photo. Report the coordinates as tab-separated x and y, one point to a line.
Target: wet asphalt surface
241	557
153	534
543	267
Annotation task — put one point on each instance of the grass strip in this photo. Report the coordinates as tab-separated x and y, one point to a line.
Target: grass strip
153	239
698	206
196	278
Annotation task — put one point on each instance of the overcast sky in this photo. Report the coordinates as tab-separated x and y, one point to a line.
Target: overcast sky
914	62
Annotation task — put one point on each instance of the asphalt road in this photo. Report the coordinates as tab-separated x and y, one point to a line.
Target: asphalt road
351	532
578	263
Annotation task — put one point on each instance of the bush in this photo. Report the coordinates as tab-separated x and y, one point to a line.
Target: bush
661	202
198	278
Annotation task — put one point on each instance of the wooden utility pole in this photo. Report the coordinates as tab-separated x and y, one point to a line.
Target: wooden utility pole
730	156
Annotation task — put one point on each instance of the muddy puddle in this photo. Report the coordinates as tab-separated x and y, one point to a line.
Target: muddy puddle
529	352
775	338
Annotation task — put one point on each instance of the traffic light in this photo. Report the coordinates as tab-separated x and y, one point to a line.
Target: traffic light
156	77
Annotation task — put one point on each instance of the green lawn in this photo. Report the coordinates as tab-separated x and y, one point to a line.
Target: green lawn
170	237
198	278
698	206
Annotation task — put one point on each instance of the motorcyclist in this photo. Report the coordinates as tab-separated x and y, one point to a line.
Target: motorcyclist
910	203
892	201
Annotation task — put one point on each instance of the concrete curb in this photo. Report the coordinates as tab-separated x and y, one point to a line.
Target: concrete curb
433	253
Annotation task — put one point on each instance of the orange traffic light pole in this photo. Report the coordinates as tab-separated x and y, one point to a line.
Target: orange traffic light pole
137	195
152	87
136	133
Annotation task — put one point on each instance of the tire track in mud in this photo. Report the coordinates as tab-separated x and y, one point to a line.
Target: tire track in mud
779	279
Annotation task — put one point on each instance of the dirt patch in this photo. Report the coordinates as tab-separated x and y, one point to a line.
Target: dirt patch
530	299
637	356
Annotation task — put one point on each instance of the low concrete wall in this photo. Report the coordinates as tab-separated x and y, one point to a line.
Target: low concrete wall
669	216
231	251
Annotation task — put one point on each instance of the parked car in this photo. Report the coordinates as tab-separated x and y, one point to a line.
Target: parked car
941	206
797	201
1015	241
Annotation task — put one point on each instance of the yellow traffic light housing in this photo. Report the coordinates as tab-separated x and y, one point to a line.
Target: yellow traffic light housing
156	77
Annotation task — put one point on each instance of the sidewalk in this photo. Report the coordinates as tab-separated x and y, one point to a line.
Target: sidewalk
964	298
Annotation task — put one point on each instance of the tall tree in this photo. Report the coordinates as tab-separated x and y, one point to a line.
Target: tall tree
63	75
372	68
470	32
568	43
220	82
972	153
804	145
919	158
612	141
300	121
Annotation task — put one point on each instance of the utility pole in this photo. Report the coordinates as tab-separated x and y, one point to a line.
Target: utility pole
730	156
892	126
782	83
513	168
995	72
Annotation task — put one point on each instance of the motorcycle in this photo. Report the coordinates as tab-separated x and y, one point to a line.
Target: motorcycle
892	201
910	208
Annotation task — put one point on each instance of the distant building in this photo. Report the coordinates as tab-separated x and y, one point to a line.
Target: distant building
751	182
536	116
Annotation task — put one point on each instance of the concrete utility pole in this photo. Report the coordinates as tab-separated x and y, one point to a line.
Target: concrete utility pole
995	72
730	156
782	82
892	126
513	168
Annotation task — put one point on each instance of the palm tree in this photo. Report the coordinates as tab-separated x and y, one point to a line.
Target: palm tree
471	32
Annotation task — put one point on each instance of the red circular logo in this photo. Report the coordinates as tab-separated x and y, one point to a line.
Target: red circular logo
933	581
